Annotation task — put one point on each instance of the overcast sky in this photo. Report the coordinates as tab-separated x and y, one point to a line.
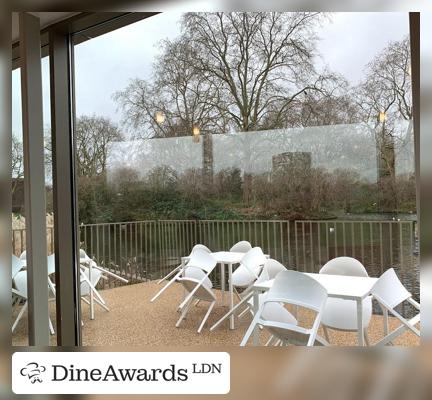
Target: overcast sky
106	64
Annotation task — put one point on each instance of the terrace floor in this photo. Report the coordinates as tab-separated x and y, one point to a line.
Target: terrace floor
134	321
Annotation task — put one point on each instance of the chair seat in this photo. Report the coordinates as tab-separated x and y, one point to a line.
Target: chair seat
342	314
277	312
198	274
274	311
242	277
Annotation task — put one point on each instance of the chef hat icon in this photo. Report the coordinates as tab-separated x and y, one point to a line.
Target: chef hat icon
32	371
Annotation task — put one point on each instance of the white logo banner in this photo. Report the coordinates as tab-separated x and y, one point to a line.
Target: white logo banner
121	373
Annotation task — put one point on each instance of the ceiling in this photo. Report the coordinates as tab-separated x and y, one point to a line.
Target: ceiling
46	19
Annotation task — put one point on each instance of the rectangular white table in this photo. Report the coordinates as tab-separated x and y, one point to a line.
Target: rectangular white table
228	258
339	286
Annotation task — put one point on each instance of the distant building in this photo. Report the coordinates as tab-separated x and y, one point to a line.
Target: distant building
289	161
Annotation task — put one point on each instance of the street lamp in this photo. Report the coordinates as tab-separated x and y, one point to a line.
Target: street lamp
382	116
160	117
196	133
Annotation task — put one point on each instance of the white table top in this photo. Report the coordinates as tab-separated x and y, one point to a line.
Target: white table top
228	257
340	286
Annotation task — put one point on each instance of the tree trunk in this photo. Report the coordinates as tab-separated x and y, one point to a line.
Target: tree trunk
208	171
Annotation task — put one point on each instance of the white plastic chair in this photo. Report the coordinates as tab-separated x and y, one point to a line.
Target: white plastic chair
178	270
197	283
249	269
341	314
20	290
241	247
390	293
87	286
269	271
23	255
291	288
17	265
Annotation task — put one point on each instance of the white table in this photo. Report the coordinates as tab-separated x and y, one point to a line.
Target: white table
339	286
228	258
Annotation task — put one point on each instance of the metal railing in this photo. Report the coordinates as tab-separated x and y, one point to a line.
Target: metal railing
146	250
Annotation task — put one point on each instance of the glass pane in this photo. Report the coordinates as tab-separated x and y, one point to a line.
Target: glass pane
292	131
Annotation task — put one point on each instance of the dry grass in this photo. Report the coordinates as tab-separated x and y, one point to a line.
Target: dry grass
134	321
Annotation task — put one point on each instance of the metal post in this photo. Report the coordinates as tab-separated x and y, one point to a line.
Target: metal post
34	180
64	190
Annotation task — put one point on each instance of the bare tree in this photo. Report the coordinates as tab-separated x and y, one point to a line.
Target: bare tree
242	71
387	85
178	98
259	61
93	137
17	162
385	98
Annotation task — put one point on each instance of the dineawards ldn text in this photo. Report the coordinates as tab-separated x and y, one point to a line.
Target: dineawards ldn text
112	374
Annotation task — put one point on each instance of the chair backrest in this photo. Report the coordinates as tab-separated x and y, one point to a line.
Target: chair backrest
344	266
202	259
241	247
95	277
20	281
292	287
203	292
83	255
17	264
254	260
23	255
51	264
390	290
198	274
272	268
200	247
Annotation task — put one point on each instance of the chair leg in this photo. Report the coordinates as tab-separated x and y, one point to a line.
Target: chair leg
229	313
206	316
165	287
272	340
197	302
251	329
170	274
326	334
51	328
244	311
101	304
18	318
184	312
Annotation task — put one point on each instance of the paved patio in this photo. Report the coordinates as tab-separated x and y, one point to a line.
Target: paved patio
134	321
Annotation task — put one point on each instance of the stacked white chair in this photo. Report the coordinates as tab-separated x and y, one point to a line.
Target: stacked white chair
197	283
341	314
270	270
248	271
88	285
178	271
390	293
241	247
297	289
91	274
20	290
